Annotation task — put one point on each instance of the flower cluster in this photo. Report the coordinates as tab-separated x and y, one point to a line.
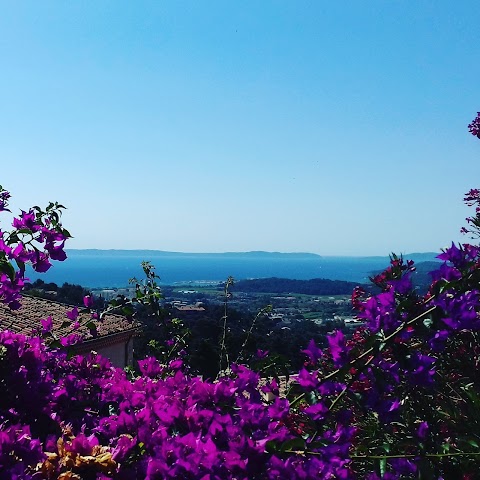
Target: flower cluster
474	127
37	237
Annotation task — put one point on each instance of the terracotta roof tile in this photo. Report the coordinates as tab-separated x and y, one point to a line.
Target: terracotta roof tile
27	318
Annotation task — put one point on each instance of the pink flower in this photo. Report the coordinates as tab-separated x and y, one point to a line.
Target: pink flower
88	301
47	325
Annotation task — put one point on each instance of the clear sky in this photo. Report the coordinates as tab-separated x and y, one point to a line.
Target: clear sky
338	128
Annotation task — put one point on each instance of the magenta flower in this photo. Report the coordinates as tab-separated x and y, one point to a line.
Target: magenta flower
454	255
70	340
318	411
47	325
41	263
72	314
308	380
26	221
88	301
422	430
261	354
20	253
423	369
56	252
82	444
338	348
313	352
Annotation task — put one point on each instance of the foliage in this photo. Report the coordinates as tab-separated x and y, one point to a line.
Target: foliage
401	399
67	293
37	237
316	286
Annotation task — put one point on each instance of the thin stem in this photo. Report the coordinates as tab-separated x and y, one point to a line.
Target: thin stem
423	455
250	330
386	457
223	347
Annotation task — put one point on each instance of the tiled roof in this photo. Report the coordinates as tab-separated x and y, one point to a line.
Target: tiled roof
189	308
27	318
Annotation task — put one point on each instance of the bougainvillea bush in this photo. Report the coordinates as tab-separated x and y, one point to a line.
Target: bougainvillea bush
400	399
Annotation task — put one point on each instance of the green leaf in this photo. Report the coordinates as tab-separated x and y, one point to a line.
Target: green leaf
7	268
295	444
55	344
272	447
386	447
128	311
20	264
141	447
383	466
445	286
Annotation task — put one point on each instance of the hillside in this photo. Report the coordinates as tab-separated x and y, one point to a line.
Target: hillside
316	286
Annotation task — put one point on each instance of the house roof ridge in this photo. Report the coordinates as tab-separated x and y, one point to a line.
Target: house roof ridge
63	304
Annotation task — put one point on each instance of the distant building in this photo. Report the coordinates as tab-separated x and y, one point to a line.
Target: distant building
115	333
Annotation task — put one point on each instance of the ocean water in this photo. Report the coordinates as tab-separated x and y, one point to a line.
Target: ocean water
113	268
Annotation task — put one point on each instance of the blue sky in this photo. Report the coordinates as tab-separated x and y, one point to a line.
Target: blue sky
338	128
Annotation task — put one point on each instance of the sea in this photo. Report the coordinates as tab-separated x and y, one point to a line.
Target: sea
114	268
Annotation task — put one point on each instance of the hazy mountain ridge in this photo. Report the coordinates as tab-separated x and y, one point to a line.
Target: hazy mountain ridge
416	256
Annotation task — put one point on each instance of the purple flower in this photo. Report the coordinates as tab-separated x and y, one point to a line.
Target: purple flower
82	444
403	466
20	253
150	367
70	340
403	285
422	369
47	325
422	430
446	272
88	301
123	448
338	348
454	255
56	252
261	354
308	380
26	221
40	262
317	411
176	364
313	352
437	342
72	314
